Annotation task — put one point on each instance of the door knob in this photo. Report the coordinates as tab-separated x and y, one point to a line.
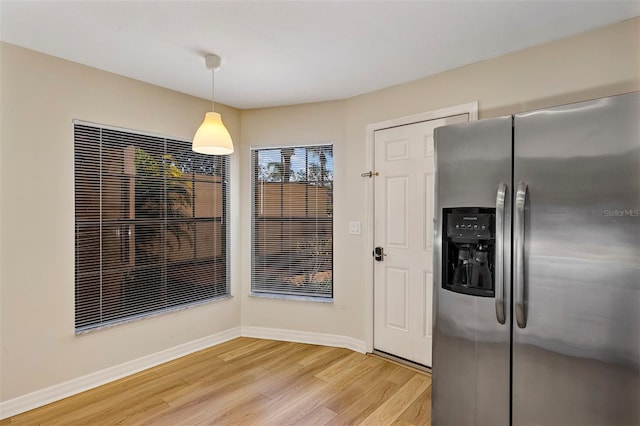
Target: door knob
378	253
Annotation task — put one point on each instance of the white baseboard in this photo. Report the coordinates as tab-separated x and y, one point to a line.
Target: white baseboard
57	392
53	393
305	337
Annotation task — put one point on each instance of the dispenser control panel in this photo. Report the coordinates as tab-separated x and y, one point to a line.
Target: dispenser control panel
476	226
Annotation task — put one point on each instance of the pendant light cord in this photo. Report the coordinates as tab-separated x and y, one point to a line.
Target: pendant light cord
213	73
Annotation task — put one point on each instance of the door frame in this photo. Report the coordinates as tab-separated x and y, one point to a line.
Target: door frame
470	108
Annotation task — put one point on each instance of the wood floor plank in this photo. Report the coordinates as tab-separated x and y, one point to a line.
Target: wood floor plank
245	350
293	388
375	396
336	370
293	413
284	403
250	381
206	407
192	373
203	355
420	409
393	407
402	375
229	416
51	412
402	422
317	417
348	396
216	369
139	417
344	385
207	390
295	353
284	377
288	391
351	371
133	400
318	353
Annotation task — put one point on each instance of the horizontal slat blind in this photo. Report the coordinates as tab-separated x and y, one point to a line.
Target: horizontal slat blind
292	221
151	228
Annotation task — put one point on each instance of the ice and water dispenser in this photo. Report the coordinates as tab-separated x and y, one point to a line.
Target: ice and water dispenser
468	247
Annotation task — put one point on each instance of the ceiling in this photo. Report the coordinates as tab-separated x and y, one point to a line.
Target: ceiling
289	52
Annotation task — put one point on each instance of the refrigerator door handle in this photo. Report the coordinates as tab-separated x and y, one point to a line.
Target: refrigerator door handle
499	262
518	261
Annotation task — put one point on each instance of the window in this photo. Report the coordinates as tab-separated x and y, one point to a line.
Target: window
292	221
151	225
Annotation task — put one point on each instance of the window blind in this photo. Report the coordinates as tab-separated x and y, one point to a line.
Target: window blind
151	225
292	221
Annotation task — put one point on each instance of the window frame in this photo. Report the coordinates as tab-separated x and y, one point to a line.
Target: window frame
176	302
254	195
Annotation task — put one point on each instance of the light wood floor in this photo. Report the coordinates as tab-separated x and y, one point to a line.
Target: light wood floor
253	382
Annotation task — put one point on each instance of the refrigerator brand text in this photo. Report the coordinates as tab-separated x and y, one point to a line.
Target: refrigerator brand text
618	213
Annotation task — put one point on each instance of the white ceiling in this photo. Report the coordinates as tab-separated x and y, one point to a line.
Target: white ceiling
289	52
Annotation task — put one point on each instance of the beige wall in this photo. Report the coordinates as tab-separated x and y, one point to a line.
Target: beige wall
41	95
596	64
302	124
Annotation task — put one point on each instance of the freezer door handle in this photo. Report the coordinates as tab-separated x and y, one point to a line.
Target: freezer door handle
499	265
518	261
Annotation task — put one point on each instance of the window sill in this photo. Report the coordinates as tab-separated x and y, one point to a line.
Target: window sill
292	297
115	323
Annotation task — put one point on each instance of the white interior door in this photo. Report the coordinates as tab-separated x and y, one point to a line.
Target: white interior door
403	227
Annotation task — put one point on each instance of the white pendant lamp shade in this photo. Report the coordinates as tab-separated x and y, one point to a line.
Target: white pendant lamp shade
212	137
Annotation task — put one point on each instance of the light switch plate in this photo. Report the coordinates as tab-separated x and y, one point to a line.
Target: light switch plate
354	227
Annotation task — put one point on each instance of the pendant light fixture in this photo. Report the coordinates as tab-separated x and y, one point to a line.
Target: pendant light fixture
212	137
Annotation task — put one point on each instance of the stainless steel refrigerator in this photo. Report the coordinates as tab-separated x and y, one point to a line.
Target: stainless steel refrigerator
537	268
